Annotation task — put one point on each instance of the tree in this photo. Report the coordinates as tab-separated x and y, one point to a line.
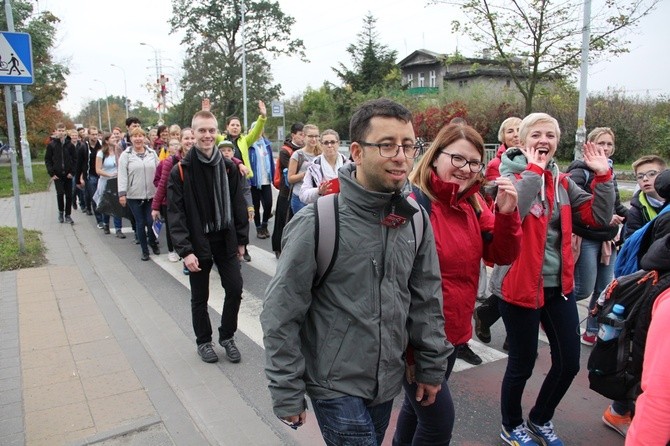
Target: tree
374	66
213	36
545	35
48	89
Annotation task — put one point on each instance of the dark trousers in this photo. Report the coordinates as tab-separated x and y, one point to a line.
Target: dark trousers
79	194
167	228
262	196
560	321
118	222
228	265
347	420
426	425
281	213
489	312
64	194
141	210
91	187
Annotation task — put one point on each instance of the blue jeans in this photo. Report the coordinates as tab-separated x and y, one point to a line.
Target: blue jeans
426	425
91	187
118	222
349	421
592	277
141	210
560	321
296	204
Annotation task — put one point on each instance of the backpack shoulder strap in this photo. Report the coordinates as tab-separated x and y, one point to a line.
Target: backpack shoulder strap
326	235
418	223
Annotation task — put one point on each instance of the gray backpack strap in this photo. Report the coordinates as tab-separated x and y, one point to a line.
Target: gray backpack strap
326	235
417	222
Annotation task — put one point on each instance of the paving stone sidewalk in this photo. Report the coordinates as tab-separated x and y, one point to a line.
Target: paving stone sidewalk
82	358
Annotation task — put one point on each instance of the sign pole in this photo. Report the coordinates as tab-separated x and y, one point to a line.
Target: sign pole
25	146
15	174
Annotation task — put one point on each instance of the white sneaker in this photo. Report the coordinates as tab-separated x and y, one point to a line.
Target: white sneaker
173	256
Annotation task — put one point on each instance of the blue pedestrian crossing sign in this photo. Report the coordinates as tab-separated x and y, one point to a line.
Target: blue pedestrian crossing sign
16	59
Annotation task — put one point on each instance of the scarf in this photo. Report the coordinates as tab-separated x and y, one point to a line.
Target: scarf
211	191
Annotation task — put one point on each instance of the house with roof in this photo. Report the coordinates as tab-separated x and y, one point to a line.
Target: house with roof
426	71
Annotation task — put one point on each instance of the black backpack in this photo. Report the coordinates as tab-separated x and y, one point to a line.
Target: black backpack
615	366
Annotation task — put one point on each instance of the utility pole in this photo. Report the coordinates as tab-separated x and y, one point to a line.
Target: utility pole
580	135
109	120
244	69
125	87
23	133
161	88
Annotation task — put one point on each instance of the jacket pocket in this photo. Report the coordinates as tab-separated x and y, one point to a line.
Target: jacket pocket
333	350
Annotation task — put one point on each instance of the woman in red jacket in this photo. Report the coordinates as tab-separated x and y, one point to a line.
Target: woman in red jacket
538	286
466	230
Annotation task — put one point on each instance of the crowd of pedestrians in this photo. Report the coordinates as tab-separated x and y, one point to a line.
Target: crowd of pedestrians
394	304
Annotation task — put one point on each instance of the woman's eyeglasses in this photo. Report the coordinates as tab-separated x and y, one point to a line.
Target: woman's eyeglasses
458	161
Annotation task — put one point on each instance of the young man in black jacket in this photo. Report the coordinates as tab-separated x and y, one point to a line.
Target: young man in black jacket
208	223
60	162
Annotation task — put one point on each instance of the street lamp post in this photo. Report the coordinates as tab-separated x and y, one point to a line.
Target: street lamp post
125	87
157	60
109	120
99	114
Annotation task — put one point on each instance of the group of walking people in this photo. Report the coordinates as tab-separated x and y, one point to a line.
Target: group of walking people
396	301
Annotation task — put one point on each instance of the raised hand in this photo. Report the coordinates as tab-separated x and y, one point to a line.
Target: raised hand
262	109
538	156
595	158
507	197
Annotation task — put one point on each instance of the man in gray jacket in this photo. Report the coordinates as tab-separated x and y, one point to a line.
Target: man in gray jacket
343	342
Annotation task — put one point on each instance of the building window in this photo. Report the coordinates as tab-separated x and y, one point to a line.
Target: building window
422	80
433	79
410	80
463	83
508	83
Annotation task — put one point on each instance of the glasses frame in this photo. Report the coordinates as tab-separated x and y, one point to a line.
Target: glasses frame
650	174
330	143
468	163
293	426
417	146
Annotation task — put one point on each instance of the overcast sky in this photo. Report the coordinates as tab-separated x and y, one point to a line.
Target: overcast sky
95	33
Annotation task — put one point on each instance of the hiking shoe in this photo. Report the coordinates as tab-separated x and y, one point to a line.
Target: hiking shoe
156	250
105	229
173	256
518	436
60	217
466	354
88	212
120	234
619	423
232	352
68	219
483	333
544	433
101	226
145	256
246	256
588	338
207	353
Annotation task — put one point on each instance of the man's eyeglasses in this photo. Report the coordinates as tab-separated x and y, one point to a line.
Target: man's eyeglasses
458	161
651	174
293	426
329	143
390	150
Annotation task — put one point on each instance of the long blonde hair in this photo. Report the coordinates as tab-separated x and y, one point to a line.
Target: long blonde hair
317	148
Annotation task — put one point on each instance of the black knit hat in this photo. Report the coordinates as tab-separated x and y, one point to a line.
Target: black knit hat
662	184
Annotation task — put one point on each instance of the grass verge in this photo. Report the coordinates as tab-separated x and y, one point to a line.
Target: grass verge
40	180
11	258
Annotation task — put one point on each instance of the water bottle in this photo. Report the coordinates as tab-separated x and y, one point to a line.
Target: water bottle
608	332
